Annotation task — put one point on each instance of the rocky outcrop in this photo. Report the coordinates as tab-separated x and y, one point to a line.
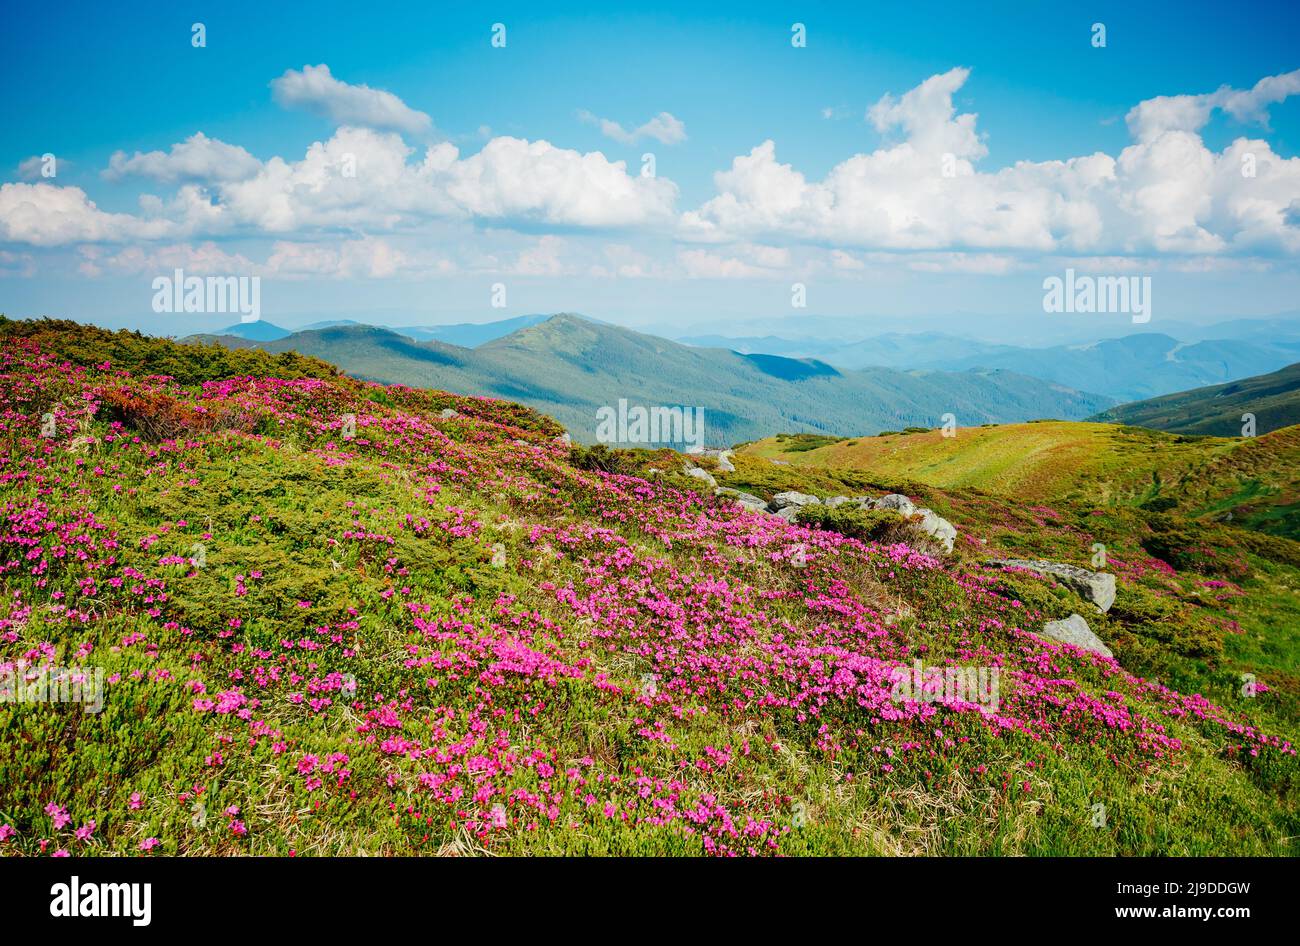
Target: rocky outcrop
897	502
748	501
785	500
787	506
1075	630
937	528
1096	587
701	474
722	456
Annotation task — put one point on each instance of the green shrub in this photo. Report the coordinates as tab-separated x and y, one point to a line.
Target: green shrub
867	525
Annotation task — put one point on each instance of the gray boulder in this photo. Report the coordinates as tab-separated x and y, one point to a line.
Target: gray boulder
788	512
1074	630
1097	587
785	500
700	474
749	501
937	527
897	502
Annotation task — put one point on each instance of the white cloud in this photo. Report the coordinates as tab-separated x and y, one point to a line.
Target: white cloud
197	158
920	193
510	179
33	168
204	259
1165	193
16	264
928	119
663	128
365	258
980	264
359	178
1147	120
702	264
316	91
51	215
541	259
846	262
361	258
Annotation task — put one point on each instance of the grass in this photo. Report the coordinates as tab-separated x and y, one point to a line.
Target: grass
457	636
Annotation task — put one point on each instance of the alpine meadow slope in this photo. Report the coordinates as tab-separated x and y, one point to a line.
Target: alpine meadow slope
334	616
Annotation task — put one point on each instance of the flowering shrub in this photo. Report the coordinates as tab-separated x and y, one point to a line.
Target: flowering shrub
411	632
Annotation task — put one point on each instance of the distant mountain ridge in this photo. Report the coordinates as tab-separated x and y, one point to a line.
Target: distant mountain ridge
1128	368
465	334
570	367
1272	400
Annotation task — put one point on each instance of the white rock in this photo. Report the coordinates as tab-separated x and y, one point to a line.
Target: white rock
937	527
1097	587
700	474
897	502
1075	630
792	498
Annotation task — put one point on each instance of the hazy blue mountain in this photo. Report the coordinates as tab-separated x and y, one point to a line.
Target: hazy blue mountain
1133	367
469	334
329	323
570	367
1142	366
890	350
258	331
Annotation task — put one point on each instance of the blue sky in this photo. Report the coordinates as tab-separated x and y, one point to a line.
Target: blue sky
484	166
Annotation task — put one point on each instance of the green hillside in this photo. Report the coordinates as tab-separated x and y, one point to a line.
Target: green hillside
1274	400
1253	482
335	617
569	367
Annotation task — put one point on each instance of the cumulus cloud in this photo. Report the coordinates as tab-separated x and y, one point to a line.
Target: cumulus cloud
1165	193
359	178
921	191
508	179
1149	119
363	258
928	119
34	168
197	158
663	128
51	215
541	259
315	90
16	264
206	259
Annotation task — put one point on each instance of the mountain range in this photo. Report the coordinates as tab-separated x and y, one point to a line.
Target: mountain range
570	367
465	334
1129	368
